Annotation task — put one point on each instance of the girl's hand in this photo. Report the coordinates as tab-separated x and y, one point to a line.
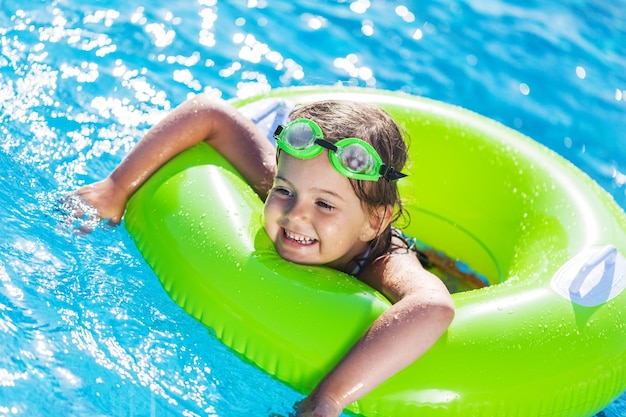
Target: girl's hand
313	406
92	203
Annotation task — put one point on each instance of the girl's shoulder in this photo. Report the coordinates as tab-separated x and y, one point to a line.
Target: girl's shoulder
455	274
396	271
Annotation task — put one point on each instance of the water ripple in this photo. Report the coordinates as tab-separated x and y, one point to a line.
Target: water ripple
85	326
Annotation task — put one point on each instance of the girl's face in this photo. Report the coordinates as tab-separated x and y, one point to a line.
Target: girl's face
313	215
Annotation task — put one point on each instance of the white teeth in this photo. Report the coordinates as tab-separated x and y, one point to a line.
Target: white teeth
299	238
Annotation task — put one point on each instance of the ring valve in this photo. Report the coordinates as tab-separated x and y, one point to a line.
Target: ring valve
592	277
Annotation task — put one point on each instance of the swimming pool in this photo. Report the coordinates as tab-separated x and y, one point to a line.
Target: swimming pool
85	327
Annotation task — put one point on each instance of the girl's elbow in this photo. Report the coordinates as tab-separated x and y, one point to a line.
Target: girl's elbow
447	312
443	309
207	102
437	310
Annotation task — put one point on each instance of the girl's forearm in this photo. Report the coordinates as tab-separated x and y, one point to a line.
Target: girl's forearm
201	118
395	340
185	126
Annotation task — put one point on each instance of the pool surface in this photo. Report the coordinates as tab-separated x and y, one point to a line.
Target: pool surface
85	327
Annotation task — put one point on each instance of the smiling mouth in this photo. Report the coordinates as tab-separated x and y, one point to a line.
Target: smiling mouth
302	240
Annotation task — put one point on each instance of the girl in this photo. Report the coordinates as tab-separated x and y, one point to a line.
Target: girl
330	197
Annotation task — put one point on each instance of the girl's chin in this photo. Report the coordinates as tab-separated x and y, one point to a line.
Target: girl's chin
295	256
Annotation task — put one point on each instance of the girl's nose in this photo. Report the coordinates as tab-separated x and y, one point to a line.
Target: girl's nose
297	211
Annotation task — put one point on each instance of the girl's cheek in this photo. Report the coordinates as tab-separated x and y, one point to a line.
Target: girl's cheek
266	212
269	214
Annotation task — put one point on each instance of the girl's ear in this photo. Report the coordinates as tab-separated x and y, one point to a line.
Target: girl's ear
379	219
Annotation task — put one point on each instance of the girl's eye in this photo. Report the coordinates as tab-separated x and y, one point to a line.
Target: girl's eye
325	205
282	191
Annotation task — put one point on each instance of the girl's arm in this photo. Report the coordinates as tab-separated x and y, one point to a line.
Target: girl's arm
201	118
421	313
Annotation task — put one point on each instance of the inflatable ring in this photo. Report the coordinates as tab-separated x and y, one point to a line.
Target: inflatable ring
546	338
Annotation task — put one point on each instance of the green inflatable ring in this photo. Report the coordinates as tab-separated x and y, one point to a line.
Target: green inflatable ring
547	338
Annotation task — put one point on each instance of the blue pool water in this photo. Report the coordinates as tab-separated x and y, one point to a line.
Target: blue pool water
85	327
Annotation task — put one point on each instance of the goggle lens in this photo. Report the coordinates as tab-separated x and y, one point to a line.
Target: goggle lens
356	159
299	136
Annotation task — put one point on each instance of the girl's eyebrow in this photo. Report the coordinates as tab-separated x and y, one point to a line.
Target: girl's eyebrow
278	177
320	190
332	193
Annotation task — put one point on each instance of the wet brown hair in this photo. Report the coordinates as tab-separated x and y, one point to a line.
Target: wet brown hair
341	119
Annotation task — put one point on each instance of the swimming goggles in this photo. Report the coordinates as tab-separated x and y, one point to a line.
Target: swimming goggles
351	157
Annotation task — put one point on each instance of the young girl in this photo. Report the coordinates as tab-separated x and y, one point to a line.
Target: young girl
330	191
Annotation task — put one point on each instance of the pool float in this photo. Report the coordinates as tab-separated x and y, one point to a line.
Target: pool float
546	338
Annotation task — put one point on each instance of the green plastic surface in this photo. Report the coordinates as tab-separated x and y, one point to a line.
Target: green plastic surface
508	207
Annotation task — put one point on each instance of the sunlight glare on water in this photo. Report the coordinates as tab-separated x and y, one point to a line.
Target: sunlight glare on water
86	328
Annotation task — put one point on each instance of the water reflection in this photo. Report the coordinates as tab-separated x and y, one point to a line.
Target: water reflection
80	81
